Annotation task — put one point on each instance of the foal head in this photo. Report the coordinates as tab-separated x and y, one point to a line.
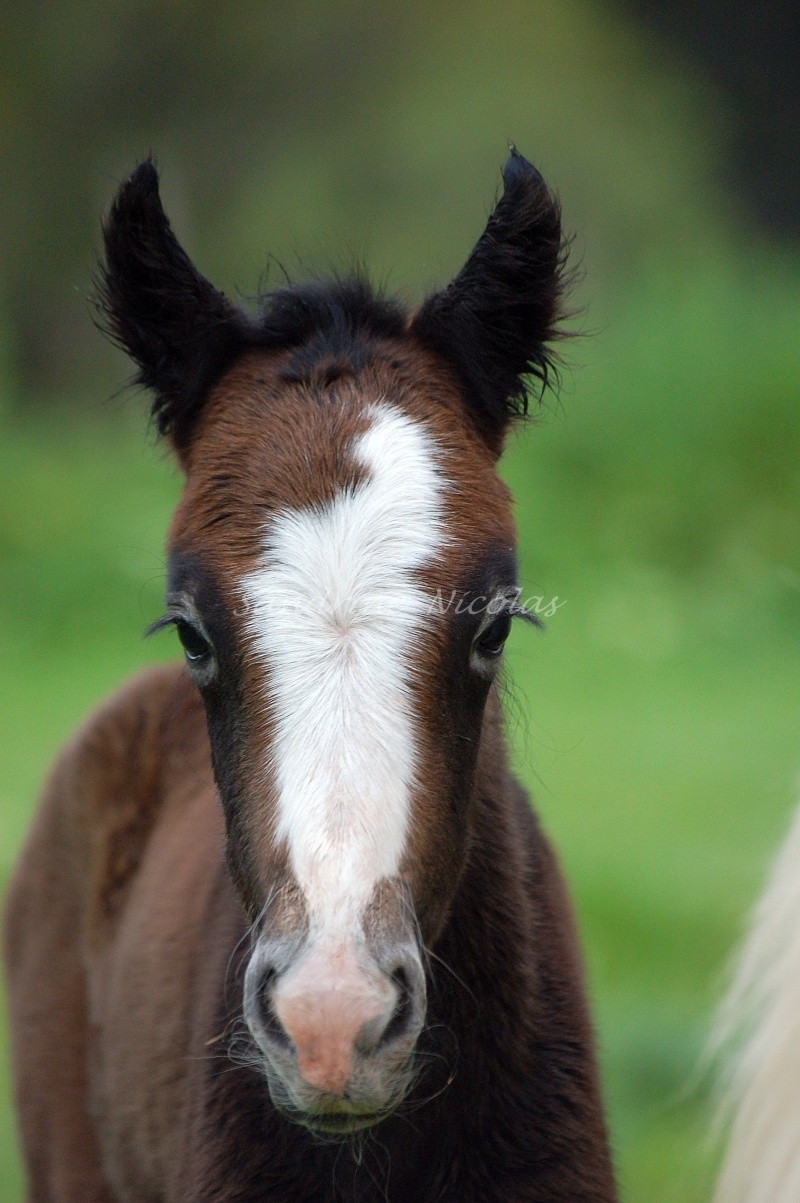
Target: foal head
342	578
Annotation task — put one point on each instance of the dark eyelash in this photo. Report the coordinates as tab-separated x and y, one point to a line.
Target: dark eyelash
518	611
166	620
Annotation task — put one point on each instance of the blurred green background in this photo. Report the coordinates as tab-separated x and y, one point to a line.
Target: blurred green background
658	498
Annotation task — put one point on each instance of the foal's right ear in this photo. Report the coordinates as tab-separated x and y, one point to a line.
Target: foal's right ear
180	330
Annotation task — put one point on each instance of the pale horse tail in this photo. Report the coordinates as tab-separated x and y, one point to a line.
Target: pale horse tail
758	1032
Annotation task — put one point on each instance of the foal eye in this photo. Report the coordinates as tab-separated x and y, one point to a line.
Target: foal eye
196	647
492	638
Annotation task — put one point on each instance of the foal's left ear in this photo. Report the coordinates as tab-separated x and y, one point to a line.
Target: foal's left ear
494	322
180	330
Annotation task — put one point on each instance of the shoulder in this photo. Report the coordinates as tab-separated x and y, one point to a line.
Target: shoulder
112	781
133	731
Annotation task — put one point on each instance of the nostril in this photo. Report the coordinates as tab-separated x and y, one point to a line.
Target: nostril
270	1024
398	1024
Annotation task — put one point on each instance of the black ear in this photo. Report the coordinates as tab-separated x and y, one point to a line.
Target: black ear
180	331
494	322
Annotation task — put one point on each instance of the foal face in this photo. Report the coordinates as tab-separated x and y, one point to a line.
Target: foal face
342	577
342	573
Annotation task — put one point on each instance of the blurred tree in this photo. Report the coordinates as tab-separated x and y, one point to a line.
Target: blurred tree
88	89
325	124
752	51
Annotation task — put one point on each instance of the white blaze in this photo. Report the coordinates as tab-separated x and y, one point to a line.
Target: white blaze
336	615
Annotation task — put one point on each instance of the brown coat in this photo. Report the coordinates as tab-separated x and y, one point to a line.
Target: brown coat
121	936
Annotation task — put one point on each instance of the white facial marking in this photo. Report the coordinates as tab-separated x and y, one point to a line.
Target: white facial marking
335	613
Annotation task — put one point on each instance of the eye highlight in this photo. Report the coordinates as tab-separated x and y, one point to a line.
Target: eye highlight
196	647
491	640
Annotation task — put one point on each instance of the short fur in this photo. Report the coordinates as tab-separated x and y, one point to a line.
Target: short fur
151	863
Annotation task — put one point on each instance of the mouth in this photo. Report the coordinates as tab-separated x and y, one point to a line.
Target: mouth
325	1118
339	1123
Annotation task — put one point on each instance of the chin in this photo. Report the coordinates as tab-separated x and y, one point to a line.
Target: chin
339	1124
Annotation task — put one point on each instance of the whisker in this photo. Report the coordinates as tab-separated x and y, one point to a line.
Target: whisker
439	960
247	935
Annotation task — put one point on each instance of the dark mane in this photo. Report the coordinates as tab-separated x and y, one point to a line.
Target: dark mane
328	321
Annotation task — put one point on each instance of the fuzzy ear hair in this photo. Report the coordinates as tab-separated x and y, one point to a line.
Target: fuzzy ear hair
180	330
494	322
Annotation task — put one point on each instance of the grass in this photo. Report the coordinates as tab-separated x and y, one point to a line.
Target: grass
654	719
